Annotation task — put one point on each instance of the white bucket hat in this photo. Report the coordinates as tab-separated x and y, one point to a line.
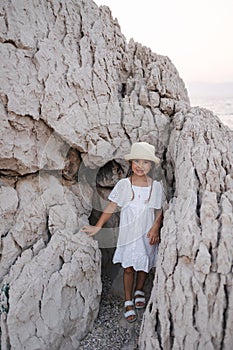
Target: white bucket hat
142	150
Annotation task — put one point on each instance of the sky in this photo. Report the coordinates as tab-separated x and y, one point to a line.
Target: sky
197	35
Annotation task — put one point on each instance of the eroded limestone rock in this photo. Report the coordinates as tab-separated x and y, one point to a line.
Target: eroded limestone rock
54	289
191	302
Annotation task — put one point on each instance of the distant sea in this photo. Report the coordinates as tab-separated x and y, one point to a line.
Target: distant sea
220	106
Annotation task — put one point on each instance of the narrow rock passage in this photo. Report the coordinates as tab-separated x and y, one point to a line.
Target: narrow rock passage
111	330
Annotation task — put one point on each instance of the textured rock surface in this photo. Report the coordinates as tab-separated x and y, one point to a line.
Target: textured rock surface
53	289
73	96
191	302
53	271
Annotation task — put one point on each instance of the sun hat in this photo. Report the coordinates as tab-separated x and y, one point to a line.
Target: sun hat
142	150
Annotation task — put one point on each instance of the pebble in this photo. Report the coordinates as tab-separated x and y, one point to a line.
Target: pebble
111	330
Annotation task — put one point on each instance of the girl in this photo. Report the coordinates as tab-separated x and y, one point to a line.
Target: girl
140	199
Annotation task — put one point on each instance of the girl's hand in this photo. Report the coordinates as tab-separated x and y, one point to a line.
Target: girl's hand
91	230
153	235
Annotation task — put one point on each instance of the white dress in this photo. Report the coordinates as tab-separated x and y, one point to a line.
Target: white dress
136	218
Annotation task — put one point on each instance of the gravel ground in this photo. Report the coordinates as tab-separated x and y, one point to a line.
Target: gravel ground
111	330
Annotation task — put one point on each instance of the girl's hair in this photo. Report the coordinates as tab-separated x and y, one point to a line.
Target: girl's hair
129	175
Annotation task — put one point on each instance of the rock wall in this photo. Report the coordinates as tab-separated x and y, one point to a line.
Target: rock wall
74	95
191	301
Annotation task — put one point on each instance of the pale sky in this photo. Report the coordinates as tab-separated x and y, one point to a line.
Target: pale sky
197	35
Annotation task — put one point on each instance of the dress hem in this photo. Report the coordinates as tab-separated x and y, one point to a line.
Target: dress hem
134	267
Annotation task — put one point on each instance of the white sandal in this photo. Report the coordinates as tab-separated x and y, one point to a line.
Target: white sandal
130	312
139	299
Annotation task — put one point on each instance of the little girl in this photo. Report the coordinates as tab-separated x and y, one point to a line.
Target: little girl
140	199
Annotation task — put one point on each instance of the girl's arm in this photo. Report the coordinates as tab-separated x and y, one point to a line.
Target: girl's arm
153	234
105	216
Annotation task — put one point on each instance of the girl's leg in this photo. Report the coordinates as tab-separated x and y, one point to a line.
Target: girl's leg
128	282
140	281
128	288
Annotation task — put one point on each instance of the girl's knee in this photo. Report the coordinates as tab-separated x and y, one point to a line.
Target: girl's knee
129	270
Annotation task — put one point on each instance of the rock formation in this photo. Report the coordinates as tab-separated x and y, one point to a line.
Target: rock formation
192	299
74	96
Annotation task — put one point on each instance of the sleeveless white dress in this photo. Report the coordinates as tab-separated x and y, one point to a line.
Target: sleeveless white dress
136	218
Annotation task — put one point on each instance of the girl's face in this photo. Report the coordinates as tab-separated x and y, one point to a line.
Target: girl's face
141	167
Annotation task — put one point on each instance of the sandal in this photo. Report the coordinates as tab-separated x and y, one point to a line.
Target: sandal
140	300
129	313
